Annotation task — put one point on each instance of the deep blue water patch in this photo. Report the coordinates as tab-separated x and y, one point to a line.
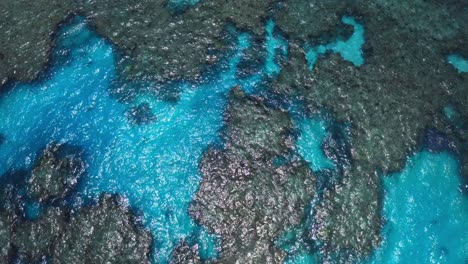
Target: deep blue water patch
154	164
350	49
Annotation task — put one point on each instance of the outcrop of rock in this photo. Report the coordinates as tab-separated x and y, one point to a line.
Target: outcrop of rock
26	40
104	233
55	174
244	196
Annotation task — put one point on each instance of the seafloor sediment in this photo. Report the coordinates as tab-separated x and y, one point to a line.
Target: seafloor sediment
254	186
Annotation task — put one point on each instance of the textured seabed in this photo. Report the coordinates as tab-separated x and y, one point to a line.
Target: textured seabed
106	159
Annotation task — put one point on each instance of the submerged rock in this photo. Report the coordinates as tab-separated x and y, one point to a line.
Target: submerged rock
162	45
55	174
302	20
34	240
185	254
141	114
243	196
5	237
104	233
25	42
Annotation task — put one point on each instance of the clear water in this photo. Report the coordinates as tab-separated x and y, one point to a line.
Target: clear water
273	44
460	63
426	213
313	132
156	165
349	49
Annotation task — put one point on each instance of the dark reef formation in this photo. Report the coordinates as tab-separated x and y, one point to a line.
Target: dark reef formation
103	233
244	196
54	176
185	254
26	40
390	100
162	45
302	20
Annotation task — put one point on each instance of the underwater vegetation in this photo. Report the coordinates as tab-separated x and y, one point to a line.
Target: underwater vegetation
250	131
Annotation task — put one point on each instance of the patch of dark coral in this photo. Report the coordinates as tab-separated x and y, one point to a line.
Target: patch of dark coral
141	115
245	196
302	20
56	173
185	254
25	44
390	101
107	232
161	45
104	233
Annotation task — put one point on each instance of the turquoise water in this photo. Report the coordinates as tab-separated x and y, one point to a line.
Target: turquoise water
426	213
273	44
460	63
349	49
156	164
309	143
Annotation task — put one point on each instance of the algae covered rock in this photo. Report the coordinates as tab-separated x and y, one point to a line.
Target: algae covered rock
34	240
244	196
56	173
5	237
25	43
105	233
185	254
162	45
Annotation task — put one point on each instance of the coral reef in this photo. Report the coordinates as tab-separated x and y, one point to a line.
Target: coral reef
185	254
102	233
390	100
162	45
25	43
54	176
244	197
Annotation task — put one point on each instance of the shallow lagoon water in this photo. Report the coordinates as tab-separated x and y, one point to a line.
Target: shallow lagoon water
460	63
349	49
155	165
425	212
